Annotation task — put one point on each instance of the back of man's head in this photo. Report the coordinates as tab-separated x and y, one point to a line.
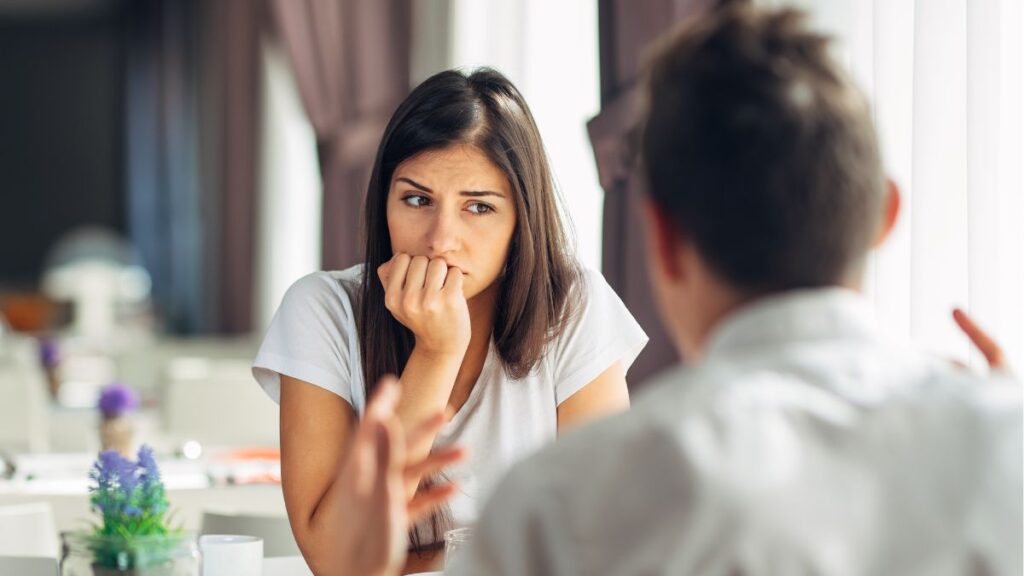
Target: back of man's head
762	151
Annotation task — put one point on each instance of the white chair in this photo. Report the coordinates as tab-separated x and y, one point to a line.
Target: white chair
28	530
144	363
23	411
286	566
217	401
31	566
275	531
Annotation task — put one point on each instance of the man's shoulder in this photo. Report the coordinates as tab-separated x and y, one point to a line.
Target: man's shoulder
599	450
918	393
604	482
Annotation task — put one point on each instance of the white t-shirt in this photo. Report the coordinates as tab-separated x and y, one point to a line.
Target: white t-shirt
802	443
312	337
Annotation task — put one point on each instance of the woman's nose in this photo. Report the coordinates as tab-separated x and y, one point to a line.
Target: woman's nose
445	235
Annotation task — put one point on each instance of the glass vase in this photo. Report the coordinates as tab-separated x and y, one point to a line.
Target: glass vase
86	554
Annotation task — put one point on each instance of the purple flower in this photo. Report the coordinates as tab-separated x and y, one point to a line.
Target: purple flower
150	472
116	399
113	470
128	494
49	353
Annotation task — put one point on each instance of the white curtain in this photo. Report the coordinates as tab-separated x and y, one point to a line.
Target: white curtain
550	51
945	81
290	192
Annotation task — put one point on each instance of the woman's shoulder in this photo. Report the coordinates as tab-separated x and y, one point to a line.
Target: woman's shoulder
591	287
593	305
590	278
328	280
584	294
325	289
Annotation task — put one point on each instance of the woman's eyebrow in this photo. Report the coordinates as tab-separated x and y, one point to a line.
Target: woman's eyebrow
414	184
480	193
467	193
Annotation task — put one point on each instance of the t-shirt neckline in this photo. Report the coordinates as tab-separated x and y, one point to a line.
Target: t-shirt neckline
474	395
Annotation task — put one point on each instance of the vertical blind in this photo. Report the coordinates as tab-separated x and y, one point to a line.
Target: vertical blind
945	81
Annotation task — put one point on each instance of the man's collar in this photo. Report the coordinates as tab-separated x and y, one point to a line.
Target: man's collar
792	316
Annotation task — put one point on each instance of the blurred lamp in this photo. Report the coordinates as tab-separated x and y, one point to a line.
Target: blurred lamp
96	270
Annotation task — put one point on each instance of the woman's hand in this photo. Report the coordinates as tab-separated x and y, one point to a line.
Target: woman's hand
426	296
373	526
982	341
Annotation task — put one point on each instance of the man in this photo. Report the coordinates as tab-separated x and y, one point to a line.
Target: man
797	440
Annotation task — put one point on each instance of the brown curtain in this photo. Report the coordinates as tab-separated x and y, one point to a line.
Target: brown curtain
351	61
626	30
236	32
191	111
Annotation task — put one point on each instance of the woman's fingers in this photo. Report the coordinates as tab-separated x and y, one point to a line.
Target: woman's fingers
437	269
417	274
988	347
428	500
396	272
453	281
384	272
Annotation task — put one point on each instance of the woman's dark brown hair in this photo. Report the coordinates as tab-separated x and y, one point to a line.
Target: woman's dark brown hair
537	290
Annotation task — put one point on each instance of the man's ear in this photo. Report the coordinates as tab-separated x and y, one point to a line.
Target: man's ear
664	240
890	212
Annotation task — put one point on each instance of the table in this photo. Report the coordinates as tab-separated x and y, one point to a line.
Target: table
286	566
193	486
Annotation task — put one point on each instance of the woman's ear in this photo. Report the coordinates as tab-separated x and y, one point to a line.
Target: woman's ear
664	241
890	212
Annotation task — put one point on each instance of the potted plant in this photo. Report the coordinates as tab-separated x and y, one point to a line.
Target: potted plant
134	536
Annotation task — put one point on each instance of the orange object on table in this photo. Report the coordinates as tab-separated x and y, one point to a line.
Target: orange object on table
252	454
28	311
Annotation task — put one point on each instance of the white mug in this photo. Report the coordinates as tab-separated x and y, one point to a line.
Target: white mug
228	555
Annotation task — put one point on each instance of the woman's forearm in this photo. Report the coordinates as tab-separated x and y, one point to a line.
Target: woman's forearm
324	502
317	534
427	383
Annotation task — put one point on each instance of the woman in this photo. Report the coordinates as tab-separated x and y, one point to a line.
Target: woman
467	292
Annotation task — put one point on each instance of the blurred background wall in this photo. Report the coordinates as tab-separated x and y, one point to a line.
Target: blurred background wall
226	143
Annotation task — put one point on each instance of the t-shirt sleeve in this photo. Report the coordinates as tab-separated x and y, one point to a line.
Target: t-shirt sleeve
309	339
600	333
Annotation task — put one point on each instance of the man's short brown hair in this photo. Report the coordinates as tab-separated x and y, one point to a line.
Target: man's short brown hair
762	150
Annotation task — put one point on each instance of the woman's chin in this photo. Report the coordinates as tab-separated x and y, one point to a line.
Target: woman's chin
472	290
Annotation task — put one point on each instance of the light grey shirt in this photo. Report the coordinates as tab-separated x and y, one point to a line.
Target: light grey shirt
803	443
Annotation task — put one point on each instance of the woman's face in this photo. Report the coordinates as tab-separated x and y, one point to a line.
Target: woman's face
453	203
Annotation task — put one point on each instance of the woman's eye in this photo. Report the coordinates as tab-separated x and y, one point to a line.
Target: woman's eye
478	208
416	201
